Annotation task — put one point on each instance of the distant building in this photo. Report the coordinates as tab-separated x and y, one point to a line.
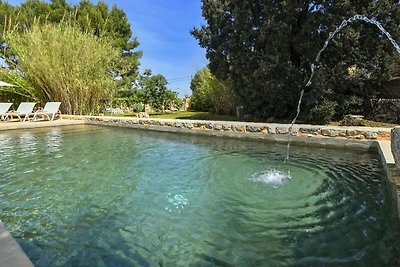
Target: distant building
387	107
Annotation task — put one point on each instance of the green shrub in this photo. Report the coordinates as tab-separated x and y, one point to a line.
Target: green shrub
138	107
211	94
353	120
323	113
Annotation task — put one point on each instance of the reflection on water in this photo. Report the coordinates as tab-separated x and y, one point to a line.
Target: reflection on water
27	144
116	197
53	143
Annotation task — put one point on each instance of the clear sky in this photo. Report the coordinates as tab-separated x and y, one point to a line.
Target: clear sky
163	30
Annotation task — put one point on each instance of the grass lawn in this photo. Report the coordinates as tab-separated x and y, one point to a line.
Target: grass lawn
370	123
189	115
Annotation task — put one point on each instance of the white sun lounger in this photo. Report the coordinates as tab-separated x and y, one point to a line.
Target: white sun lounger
25	109
50	109
4	107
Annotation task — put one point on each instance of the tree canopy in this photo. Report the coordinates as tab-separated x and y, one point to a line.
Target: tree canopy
265	48
152	90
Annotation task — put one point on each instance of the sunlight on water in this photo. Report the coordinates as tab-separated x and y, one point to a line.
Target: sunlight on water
272	177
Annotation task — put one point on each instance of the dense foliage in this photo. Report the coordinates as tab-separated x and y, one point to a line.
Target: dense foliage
265	49
97	19
151	90
210	94
63	63
82	55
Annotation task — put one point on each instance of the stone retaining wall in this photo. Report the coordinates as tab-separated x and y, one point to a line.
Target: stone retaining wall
352	133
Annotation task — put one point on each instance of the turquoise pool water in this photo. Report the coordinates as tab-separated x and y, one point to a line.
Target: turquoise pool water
99	196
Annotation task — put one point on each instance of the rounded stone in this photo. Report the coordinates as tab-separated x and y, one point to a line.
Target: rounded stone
227	127
282	130
253	129
353	132
209	126
313	131
370	135
330	132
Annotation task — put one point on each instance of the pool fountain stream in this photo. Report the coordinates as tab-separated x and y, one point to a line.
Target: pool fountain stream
314	65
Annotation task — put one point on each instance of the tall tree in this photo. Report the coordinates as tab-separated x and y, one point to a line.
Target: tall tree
201	99
112	23
153	91
210	94
266	48
7	11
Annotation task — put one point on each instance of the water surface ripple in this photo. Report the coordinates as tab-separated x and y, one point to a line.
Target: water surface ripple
93	196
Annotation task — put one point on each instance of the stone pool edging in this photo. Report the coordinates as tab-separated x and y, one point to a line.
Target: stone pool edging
310	131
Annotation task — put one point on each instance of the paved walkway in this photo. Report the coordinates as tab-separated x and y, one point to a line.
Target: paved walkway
15	125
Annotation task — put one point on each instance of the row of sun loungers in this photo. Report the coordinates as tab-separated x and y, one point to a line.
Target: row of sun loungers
25	111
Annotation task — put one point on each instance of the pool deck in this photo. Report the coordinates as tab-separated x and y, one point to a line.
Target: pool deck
17	125
331	136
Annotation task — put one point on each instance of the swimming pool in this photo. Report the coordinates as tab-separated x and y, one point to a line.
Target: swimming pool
94	196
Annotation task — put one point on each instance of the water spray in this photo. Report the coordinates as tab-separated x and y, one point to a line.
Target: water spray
314	65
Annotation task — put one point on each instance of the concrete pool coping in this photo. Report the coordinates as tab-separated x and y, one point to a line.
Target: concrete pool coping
361	138
11	254
13	125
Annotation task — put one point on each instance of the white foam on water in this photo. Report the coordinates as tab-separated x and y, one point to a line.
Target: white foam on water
272	177
177	202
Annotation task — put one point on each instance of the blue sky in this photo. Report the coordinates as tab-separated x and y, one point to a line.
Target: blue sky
163	30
